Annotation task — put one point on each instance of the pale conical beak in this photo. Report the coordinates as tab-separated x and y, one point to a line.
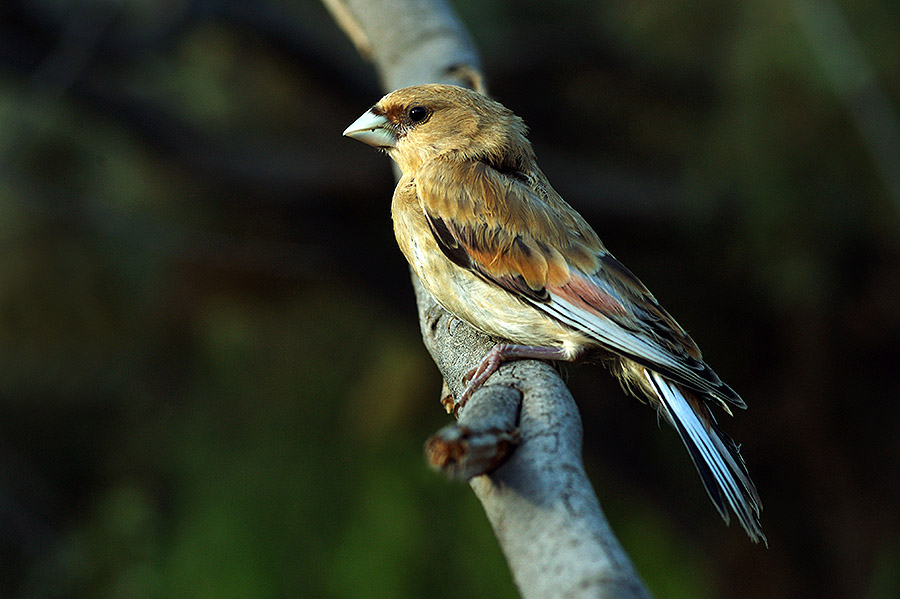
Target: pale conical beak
372	129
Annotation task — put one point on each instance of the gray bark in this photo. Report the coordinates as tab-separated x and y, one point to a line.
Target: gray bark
539	501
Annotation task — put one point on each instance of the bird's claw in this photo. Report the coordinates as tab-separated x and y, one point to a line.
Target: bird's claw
476	377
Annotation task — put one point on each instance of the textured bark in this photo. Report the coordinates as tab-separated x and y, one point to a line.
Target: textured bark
539	501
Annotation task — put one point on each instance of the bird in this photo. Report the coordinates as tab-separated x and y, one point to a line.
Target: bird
499	248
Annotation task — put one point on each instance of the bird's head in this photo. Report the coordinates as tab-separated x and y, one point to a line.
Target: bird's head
421	123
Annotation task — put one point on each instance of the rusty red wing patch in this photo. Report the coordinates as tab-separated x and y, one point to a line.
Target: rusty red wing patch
582	293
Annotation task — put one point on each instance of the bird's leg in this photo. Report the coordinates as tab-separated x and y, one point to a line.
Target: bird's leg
504	352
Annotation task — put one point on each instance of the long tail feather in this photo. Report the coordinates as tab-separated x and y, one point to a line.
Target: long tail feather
716	456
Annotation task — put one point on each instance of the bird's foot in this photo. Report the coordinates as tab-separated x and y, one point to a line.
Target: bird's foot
500	353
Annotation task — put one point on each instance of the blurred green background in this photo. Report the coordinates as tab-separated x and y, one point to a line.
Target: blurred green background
211	377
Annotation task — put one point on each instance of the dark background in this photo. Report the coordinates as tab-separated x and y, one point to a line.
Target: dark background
211	378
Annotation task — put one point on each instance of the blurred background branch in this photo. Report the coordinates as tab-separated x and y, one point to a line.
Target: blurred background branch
854	79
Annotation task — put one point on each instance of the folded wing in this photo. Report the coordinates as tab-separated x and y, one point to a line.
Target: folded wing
516	232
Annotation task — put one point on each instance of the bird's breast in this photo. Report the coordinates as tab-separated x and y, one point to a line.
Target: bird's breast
482	303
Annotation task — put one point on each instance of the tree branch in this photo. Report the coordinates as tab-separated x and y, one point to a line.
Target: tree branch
539	501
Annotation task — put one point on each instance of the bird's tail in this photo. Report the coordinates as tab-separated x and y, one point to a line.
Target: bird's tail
715	454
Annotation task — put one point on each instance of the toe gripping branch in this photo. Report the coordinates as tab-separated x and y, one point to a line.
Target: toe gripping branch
486	433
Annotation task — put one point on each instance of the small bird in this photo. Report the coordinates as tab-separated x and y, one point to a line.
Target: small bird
497	247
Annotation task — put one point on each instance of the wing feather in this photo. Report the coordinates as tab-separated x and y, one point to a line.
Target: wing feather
516	232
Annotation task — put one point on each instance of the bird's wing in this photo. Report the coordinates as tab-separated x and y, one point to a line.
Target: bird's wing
512	229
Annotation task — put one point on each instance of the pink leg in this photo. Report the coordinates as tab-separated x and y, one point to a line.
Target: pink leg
500	353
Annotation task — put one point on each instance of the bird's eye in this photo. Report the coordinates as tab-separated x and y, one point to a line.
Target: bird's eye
417	114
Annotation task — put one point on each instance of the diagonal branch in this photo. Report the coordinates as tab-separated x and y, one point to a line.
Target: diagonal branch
539	501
